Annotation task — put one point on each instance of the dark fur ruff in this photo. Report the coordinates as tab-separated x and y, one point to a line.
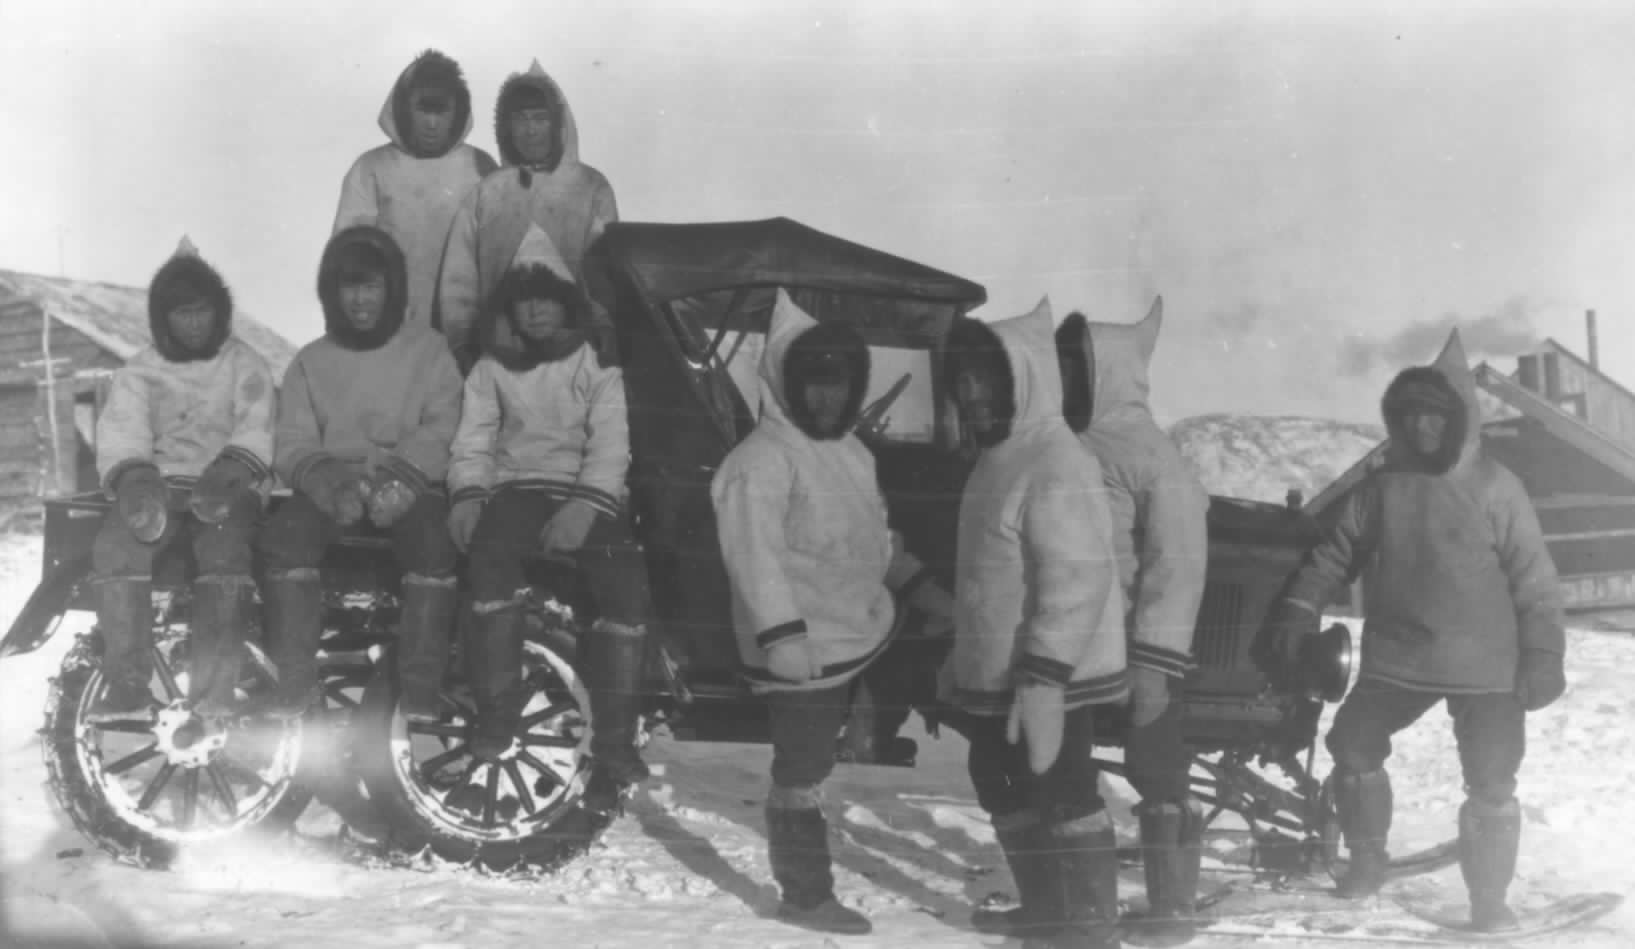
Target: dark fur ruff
500	336
971	343
814	354
336	325
502	122
170	288
1397	404
430	68
1078	368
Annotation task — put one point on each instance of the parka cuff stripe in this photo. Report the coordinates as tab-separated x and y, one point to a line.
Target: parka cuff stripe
248	459
111	479
1159	659
597	498
298	473
1102	690
1044	670
407	472
783	632
470	493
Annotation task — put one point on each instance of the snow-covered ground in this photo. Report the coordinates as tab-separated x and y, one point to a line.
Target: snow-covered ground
687	866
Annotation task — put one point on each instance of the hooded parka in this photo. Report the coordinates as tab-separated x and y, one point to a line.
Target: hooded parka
1457	579
569	199
1159	507
414	196
1037	588
180	409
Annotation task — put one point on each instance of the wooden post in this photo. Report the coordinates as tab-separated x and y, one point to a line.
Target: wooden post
51	463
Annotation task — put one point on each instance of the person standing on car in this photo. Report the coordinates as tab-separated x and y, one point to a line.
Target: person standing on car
1462	605
412	186
540	461
184	444
542	182
1039	629
364	424
812	564
1161	534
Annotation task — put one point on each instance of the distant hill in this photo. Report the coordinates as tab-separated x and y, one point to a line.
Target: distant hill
1262	457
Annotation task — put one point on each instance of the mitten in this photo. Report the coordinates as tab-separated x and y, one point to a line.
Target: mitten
793	660
337	490
1540	679
219	486
1288	623
1037	715
1149	695
462	521
390	500
142	497
567	529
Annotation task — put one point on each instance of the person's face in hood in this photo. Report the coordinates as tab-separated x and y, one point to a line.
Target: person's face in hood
192	324
827	400
977	393
363	298
431	111
533	133
539	320
1426	428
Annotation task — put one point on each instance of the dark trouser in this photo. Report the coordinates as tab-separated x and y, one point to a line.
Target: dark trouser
508	533
124	566
1156	760
1006	785
297	534
1489	728
805	727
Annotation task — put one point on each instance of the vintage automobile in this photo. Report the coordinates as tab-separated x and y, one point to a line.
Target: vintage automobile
691	302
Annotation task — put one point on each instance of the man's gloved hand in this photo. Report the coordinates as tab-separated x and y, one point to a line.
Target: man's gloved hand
1540	679
338	490
1287	625
567	529
462	521
390	500
142	499
1149	695
1038	713
217	489
794	660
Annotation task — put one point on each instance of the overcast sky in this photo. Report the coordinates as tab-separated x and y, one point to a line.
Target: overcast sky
1317	190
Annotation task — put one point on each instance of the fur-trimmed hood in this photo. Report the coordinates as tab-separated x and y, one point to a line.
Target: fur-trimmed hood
1023	348
536	270
1446	384
795	344
367	238
1105	366
394	113
567	150
181	278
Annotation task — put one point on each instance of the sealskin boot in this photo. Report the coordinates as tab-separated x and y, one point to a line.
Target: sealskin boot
125	619
1081	887
221	605
294	610
1489	837
494	655
1171	851
423	642
1020	838
1364	802
617	663
798	845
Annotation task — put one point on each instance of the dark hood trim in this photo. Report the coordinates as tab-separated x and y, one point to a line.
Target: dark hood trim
431	64
1395	404
165	293
973	341
799	363
497	332
502	128
1078	369
336	326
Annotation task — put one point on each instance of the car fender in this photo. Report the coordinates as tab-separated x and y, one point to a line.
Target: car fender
41	615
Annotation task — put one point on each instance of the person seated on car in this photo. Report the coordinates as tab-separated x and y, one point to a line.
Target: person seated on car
364	424
539	465
1463	604
541	182
183	444
812	565
1039	637
1161	533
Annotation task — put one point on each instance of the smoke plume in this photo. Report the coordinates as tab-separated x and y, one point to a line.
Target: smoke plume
1505	331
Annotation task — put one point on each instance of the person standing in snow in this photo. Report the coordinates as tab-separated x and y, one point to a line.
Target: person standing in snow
542	182
539	461
184	444
412	186
1039	638
1462	604
812	565
364	424
1160	516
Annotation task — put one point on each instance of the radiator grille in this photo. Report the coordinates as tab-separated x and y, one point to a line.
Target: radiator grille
1217	641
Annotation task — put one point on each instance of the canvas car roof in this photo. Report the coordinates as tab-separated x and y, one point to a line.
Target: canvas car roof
671	261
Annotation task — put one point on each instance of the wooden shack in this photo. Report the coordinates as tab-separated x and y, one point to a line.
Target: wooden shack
60	341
